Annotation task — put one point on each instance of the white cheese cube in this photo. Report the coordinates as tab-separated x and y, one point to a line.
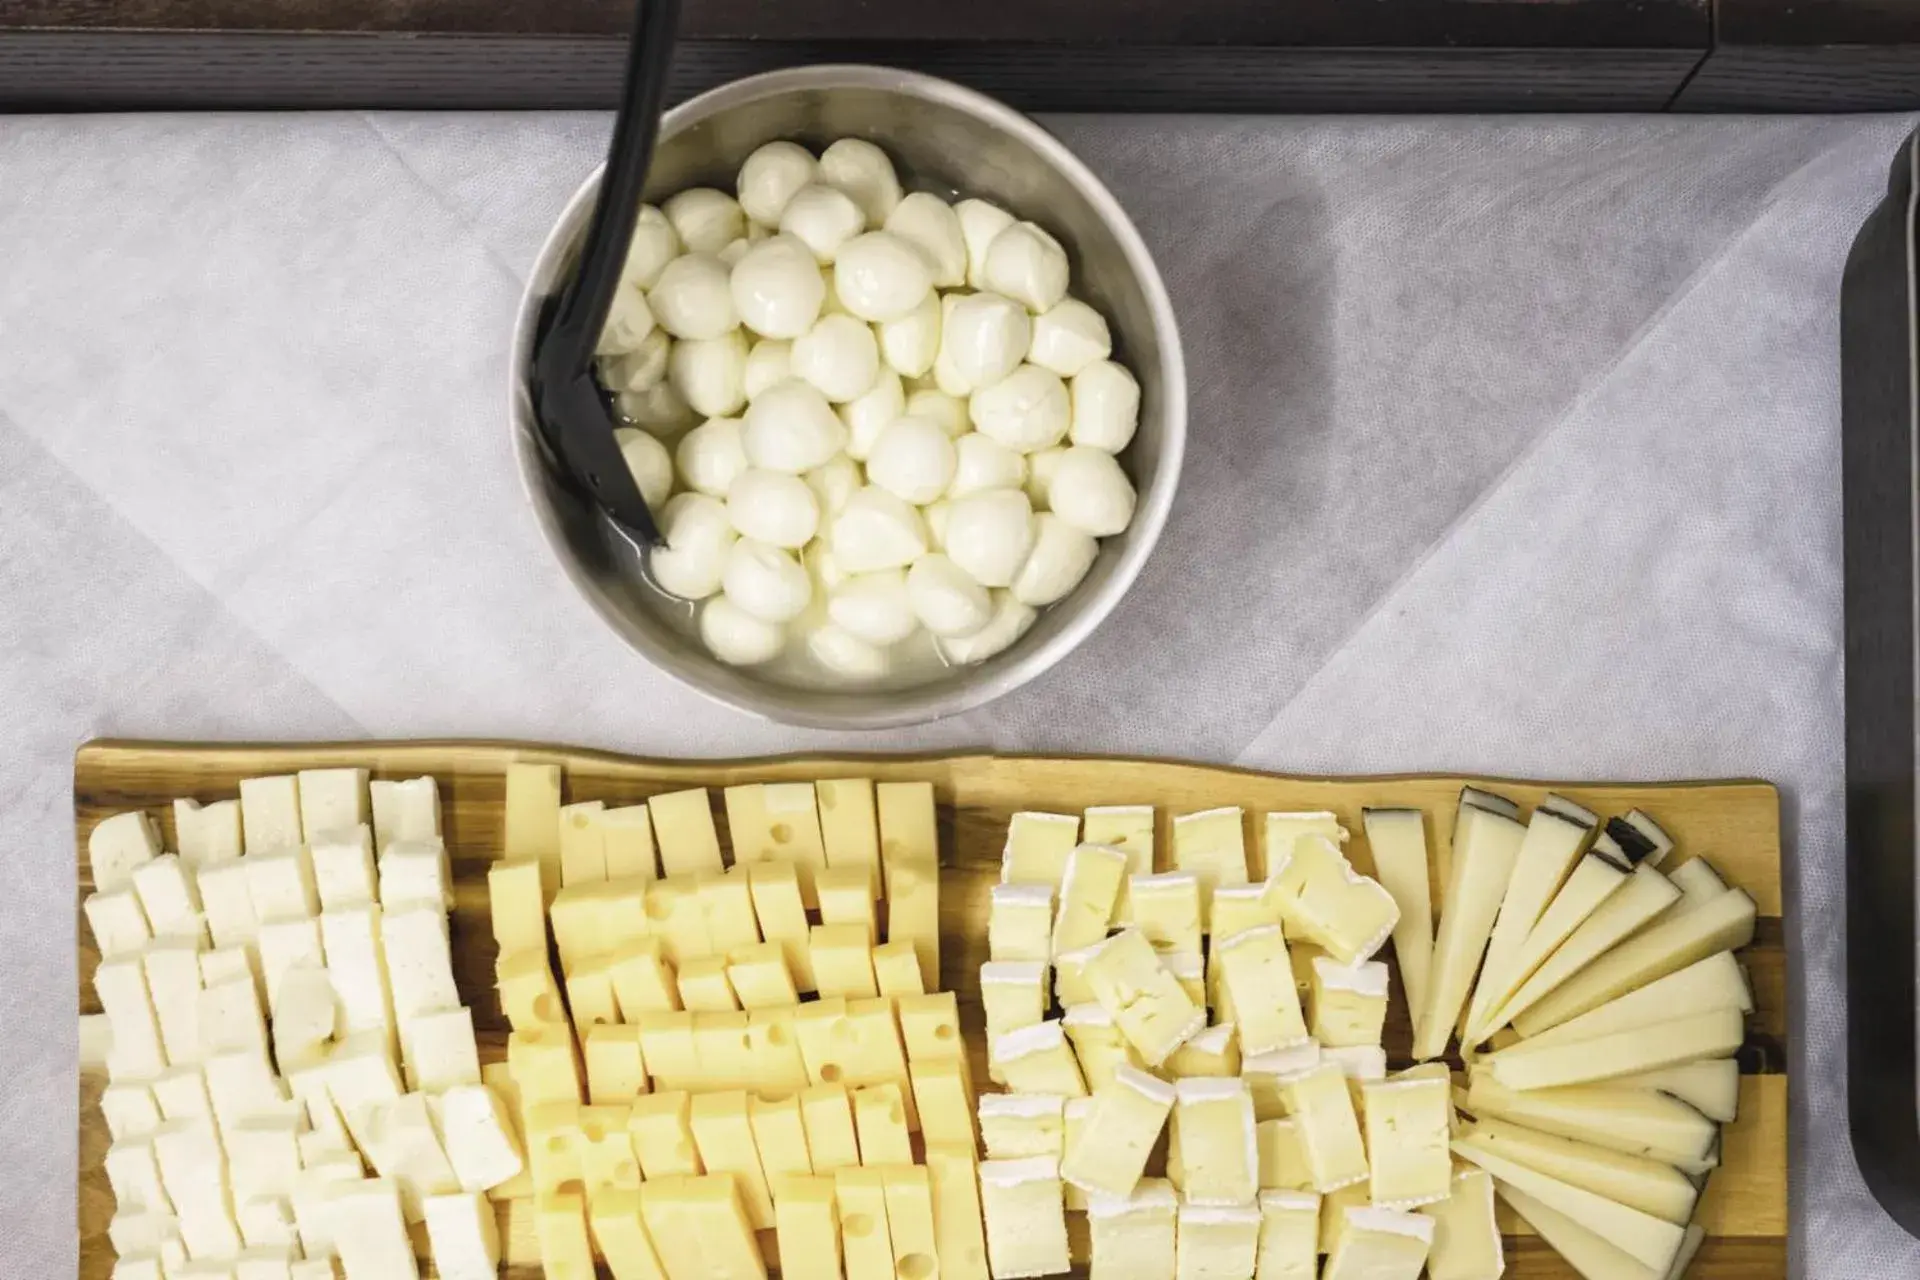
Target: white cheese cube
173	978
263	1155
311	1269
195	1175
270	813
242	1085
137	1267
147	1236
207	833
479	1137
228	903
419	961
370	1231
230	1020
438	1050
308	1085
96	1041
407	810
285	944
313	1206
357	965
282	885
228	964
332	800
119	924
133	1171
181	1094
306	1014
415	873
343	868
119	844
130	1110
169	898
465	1236
268	1230
360	1076
402	1145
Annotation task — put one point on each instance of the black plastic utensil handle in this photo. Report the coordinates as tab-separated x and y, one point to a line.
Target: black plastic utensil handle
584	303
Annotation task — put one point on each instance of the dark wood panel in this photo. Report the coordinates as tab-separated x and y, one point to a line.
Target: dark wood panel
1810	79
1402	23
105	70
1817	22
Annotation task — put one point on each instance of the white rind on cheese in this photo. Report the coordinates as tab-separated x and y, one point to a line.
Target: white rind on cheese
1213	1041
1358	1062
1239	1215
1151	1087
1295	1060
1022	1106
1024	973
1086	1014
1042	1037
1397	1222
1014	1173
1368	978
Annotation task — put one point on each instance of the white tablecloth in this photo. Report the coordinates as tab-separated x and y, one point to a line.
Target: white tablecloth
1515	447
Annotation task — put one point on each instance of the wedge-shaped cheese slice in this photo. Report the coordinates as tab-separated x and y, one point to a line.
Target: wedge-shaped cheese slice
1557	836
1667	947
1639	1122
1148	1004
1128	828
1037	849
1466	1238
1710	1087
1698	883
1641	899
1088	893
1650	1240
1715	983
1258	978
1408	1123
1635	1181
1216	1240
1323	900
1596	877
1589	1253
1135	1238
1398	839
1380	1244
1485	846
1624	1053
1024	1207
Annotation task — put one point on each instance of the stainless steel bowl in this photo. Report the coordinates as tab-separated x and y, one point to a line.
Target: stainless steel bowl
941	136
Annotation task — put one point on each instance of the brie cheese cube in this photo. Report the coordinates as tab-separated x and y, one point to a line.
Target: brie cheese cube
1258	977
415	873
1167	910
1266	1073
1037	849
1329	1130
1134	1238
332	800
1025	1212
1216	1242
1098	1044
368	1228
207	833
130	1110
1650	1240
282	884
1214	1052
173	977
1283	1156
1238	908
1069	980
1088	893
1289	1236
1324	901
169	898
880	1124
343	868
119	844
1020	922
1213	846
479	1138
1348	1002
1380	1244
465	1236
119	924
1014	1126
227	898
1147	1002
270	813
1038	1059
357	967
683	828
1466	1239
1408	1127
1128	828
419	961
1214	1126
195	1176
1110	1152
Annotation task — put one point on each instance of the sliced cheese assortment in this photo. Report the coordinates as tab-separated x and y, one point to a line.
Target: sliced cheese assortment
730	1051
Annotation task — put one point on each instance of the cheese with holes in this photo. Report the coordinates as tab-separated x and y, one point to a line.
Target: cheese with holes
1025	1211
777	905
849	824
807	1228
1088	893
683	829
583	847
880	1124
1216	1242
724	1137
910	1229
959	1234
930	1026
896	969
626	836
1485	846
913	914
1020	922
1168	910
1038	846
616	1071
777	822
827	1112
1408	1126
1111	1151
1323	900
533	818
842	960
759	977
845	897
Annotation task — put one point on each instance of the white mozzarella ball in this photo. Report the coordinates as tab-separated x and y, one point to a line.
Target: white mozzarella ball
946	374
823	218
1040	469
935	514
767	582
876	530
930	225
937	406
990	533
1009	622
980	222
776	288
874	607
790	427
839	356
986	336
1060	558
981	462
910	344
736	637
868	415
640	367
647	459
770	177
770	361
706	220
692	299
880	277
653	246
1027	265
1090	491
945	598
1106	406
844	653
773	507
659	409
1069	336
629	321
833	482
711	373
822	567
913	459
863	171
1027	410
712	456
698	536
734	251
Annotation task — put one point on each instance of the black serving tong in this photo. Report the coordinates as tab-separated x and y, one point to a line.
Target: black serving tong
573	410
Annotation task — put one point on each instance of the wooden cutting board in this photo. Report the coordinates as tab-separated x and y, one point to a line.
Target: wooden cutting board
1735	824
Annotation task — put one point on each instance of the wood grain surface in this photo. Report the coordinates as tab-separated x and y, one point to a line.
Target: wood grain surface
1735	824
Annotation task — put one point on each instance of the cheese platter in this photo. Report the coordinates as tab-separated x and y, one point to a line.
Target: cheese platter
875	1025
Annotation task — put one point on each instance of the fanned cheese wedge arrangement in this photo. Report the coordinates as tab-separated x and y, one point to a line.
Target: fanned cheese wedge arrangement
730	1051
